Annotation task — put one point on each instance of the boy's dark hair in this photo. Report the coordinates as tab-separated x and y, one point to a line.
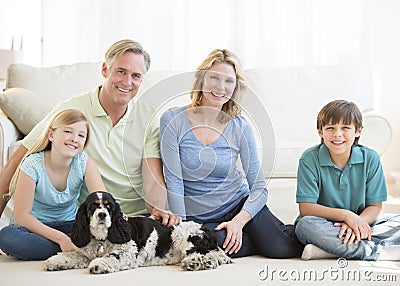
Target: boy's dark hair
338	111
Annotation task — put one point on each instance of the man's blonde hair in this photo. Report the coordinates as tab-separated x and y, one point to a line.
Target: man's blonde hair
123	46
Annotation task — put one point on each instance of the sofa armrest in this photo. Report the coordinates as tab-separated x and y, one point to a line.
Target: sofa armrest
8	135
377	132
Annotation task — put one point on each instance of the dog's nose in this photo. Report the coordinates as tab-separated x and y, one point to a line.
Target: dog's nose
102	215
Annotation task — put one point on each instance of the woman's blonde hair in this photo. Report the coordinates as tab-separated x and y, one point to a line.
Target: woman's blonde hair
231	107
62	118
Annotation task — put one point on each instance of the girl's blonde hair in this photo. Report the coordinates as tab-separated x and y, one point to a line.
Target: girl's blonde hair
230	108
62	118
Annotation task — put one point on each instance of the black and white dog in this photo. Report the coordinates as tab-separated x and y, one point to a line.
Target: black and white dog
107	242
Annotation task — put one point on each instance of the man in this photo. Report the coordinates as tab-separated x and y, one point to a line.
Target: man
124	140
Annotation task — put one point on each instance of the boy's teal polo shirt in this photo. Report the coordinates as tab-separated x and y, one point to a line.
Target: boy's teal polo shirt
117	150
359	184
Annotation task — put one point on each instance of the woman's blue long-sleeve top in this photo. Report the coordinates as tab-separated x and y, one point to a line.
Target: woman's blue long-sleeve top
204	182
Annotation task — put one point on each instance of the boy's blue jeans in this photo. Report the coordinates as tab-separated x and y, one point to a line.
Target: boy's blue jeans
322	233
19	242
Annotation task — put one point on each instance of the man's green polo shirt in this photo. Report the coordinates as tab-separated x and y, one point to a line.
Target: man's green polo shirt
117	150
359	184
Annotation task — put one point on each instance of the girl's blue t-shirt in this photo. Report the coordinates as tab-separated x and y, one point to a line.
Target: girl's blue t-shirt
49	204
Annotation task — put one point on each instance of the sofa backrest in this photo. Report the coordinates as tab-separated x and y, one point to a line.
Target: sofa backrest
55	83
292	97
282	104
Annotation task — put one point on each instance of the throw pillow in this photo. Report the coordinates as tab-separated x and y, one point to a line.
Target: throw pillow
23	107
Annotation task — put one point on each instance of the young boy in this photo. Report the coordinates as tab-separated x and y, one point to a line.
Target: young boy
340	190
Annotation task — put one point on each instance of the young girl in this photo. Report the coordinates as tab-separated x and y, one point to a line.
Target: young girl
46	187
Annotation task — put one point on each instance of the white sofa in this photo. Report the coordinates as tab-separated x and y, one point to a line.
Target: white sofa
281	103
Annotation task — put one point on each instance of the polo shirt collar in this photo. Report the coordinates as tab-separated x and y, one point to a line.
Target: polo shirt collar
98	110
324	156
356	156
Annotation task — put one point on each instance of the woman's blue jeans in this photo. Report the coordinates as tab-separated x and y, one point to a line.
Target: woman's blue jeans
322	233
264	235
19	242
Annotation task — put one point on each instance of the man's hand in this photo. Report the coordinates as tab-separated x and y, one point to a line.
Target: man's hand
156	192
166	218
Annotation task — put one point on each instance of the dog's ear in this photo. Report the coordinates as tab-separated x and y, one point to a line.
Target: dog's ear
203	243
210	237
80	231
120	230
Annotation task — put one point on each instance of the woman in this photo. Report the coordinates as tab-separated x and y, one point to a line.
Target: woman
200	146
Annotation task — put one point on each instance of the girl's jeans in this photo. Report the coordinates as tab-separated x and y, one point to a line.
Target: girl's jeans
19	242
322	233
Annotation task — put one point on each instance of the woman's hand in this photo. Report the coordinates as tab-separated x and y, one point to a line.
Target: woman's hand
233	240
234	232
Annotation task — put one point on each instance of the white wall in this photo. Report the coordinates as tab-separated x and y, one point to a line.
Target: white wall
21	20
179	33
384	50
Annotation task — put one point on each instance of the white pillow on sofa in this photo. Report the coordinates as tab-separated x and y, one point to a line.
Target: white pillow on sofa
24	107
57	83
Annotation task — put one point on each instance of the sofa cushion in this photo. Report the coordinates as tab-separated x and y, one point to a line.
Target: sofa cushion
284	104
281	104
56	83
24	107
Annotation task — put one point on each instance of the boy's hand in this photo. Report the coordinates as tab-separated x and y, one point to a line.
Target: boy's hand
354	228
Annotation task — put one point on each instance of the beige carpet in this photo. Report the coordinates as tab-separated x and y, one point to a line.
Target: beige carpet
246	271
253	270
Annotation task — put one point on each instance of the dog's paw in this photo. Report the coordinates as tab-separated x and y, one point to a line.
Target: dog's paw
65	260
56	262
192	262
101	266
196	262
210	260
221	256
